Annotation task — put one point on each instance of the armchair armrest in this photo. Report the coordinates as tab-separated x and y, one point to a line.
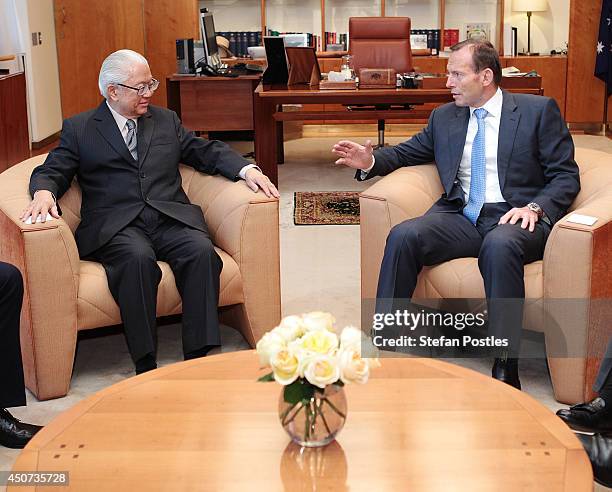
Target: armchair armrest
577	267
47	256
246	226
405	193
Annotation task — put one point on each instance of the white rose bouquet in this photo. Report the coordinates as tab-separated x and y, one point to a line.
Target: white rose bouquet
306	355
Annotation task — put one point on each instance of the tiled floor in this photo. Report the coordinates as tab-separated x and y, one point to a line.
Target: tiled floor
319	268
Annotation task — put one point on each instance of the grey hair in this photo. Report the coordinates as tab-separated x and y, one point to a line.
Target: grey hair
116	68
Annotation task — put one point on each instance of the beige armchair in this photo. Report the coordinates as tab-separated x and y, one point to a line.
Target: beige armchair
576	266
64	294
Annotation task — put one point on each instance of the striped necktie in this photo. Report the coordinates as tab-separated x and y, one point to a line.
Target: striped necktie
478	179
130	139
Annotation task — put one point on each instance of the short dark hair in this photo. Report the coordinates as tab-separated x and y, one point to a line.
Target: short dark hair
484	55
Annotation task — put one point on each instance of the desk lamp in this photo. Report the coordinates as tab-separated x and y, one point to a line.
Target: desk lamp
529	6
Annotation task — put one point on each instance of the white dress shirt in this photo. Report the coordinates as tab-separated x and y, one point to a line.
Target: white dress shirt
121	123
493	192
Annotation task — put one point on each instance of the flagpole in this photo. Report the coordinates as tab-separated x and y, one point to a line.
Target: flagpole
606	127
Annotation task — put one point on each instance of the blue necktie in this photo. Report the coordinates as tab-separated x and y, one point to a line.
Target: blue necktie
478	180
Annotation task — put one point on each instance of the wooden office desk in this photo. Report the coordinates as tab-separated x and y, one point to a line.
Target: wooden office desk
268	101
213	103
206	424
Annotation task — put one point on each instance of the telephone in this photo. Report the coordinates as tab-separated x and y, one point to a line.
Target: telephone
206	69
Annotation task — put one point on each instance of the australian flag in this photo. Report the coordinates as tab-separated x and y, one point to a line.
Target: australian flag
603	62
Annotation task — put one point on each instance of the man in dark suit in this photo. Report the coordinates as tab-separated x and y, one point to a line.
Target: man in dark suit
506	163
125	155
13	433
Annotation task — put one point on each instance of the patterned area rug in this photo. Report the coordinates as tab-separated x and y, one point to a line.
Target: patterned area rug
326	208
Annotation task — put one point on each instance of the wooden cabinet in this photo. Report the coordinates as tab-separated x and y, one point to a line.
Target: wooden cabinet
213	103
553	70
14	135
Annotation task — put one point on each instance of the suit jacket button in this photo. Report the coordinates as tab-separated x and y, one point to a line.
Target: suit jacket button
143	175
147	198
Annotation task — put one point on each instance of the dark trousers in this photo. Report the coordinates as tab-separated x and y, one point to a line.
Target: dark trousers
129	259
604	369
436	237
12	390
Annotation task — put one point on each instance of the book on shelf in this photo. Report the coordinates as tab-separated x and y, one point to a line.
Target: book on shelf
451	37
239	41
425	39
336	39
313	40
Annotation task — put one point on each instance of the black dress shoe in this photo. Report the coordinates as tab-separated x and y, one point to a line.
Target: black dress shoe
506	370
593	416
14	433
599	449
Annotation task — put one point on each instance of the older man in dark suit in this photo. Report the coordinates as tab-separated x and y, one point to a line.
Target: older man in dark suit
506	163
125	155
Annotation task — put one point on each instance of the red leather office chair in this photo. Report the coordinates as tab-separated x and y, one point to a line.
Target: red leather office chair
380	42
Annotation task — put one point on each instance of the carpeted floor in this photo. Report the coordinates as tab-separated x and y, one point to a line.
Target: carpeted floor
326	208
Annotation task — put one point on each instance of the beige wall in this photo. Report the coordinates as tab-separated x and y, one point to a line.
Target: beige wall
44	104
549	30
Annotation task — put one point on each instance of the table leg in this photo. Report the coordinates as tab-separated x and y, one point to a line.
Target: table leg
280	139
265	137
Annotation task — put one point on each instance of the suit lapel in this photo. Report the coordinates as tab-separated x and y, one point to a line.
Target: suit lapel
508	125
457	131
107	126
146	125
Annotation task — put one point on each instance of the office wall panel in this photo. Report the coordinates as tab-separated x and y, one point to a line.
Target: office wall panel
165	22
86	32
585	93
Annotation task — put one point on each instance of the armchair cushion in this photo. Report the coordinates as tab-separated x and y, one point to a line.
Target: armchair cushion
96	306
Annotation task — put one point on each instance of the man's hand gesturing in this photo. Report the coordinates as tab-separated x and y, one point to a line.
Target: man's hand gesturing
353	155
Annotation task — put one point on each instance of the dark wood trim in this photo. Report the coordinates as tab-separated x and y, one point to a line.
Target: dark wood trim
46	141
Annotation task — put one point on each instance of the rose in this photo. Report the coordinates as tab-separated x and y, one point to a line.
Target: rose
285	366
318	320
353	369
322	370
351	338
270	343
318	342
290	328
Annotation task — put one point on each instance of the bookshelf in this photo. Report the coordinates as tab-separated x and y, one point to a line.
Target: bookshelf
319	17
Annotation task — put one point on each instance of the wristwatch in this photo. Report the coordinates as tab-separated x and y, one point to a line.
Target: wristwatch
534	207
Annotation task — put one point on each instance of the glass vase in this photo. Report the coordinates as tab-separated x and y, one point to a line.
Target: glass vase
315	421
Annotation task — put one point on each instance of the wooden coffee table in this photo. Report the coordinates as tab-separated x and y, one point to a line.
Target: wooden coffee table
418	424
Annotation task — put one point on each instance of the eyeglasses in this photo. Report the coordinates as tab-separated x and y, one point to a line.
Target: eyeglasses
141	89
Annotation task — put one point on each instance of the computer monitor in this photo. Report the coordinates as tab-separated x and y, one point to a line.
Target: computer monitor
209	37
